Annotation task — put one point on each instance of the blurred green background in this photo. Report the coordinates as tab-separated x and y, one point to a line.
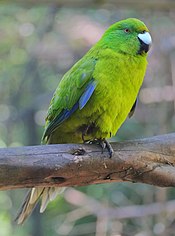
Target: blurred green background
38	44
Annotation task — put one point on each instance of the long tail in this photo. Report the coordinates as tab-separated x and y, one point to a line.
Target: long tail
45	193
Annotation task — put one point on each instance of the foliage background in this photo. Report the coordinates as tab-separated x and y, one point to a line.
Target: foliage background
38	44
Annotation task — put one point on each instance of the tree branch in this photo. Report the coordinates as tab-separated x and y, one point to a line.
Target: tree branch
149	160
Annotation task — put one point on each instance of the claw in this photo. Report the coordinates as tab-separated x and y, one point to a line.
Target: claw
109	148
104	144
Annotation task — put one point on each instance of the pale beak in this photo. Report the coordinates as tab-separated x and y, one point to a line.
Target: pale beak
145	42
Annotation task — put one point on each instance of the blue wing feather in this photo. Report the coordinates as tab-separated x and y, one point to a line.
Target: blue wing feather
66	113
87	94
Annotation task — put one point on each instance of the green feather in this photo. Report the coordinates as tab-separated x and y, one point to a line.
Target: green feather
96	95
118	71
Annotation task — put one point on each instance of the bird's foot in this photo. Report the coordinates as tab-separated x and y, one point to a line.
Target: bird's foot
104	144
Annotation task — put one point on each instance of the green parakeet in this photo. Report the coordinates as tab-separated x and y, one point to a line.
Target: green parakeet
96	95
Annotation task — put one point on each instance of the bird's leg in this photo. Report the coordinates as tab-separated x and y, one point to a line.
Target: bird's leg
84	133
82	136
109	148
105	144
102	142
84	140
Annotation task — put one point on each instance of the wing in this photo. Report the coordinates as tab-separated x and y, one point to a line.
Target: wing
73	92
132	109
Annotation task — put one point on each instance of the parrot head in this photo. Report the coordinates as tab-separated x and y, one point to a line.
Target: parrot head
130	36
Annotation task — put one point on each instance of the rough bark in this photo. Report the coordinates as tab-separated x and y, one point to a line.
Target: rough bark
149	160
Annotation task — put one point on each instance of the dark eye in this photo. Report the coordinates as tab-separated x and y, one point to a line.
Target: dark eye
126	30
143	31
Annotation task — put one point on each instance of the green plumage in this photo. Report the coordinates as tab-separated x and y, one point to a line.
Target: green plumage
95	96
118	70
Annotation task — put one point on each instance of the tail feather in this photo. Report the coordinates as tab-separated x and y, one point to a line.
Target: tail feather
49	194
44	200
46	193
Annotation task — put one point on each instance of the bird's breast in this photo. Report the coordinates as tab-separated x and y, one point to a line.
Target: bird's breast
118	84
